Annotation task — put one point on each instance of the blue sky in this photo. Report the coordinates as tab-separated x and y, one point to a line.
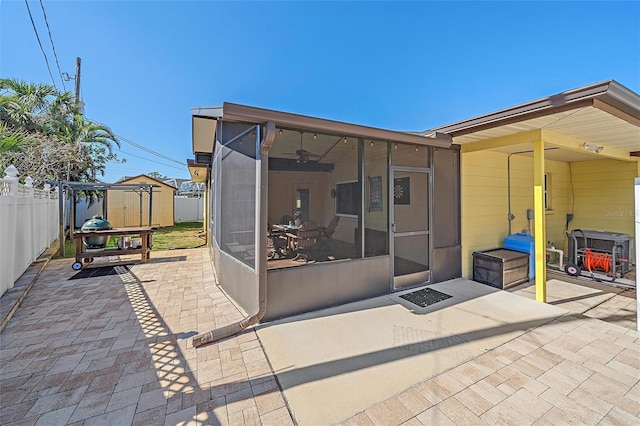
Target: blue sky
395	65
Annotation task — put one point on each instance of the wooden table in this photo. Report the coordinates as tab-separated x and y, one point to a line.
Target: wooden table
144	250
291	232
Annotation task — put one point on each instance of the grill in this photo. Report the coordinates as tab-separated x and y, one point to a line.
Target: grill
96	223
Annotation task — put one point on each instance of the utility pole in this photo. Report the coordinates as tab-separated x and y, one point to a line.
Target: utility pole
72	204
66	76
78	62
79	103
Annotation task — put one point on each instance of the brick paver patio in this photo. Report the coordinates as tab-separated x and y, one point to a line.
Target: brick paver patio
116	350
574	370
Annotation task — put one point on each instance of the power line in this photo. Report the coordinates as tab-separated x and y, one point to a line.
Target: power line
144	148
120	170
152	161
133	170
53	47
150	151
141	147
33	24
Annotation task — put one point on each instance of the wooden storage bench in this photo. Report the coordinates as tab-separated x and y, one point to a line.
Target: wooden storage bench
500	268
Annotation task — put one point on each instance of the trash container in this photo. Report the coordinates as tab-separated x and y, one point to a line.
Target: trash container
525	243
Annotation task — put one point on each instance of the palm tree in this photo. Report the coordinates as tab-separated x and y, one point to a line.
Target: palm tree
11	142
81	131
43	130
25	105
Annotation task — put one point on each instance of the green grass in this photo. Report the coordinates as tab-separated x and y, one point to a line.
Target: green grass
182	235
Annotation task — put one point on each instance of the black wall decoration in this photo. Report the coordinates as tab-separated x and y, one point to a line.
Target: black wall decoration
401	191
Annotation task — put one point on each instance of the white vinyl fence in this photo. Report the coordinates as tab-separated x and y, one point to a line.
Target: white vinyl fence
28	225
85	210
188	209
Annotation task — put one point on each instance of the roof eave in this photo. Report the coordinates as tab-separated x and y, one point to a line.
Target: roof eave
609	92
207	112
243	113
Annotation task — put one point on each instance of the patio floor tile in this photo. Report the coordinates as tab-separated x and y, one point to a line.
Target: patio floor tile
117	350
435	416
458	413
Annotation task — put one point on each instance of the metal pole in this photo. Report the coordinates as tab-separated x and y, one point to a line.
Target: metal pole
150	206
79	106
140	202
637	194
104	205
61	218
72	214
78	61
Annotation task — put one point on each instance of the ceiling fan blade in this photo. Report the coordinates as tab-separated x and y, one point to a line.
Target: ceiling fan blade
307	153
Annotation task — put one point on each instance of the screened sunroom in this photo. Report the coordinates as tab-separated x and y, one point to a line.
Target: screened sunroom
305	213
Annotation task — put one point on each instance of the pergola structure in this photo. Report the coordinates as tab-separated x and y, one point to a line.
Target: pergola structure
95	186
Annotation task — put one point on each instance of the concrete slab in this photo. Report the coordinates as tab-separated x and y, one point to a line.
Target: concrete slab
334	363
577	298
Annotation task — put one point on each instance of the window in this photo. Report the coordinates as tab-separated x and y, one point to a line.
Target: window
547	191
348	198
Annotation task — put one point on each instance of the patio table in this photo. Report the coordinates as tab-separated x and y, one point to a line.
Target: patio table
291	231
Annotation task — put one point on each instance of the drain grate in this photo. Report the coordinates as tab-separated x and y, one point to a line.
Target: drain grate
425	297
100	272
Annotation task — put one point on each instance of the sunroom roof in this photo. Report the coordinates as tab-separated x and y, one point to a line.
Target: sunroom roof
204	128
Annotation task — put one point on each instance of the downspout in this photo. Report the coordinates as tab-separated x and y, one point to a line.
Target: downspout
232	329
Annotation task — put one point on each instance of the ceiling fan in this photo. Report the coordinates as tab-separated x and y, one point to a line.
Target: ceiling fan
303	155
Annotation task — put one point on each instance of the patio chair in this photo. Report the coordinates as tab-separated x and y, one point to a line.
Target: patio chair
305	240
327	233
286	219
277	243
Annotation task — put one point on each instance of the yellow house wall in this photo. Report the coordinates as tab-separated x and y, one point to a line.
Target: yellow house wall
483	203
603	191
123	207
559	198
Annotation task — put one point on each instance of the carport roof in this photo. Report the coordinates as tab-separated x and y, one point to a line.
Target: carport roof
605	114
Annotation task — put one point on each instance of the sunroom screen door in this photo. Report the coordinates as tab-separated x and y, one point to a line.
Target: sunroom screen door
410	233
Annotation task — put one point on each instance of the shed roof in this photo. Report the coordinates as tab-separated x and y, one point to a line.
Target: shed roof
132	178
